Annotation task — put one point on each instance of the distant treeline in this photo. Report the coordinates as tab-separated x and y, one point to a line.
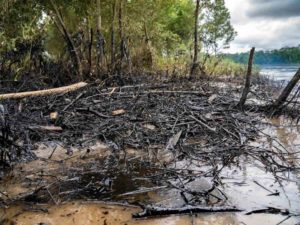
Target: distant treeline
286	55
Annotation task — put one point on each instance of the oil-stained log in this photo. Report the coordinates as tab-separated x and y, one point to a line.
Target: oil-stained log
159	211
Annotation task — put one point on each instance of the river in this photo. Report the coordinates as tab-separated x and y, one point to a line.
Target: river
282	72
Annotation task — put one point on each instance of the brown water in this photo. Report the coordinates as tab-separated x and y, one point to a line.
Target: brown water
247	187
80	213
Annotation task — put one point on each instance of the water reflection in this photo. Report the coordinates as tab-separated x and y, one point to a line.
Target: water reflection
279	72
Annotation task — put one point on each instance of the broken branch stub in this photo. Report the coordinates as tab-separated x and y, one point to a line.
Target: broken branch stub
248	79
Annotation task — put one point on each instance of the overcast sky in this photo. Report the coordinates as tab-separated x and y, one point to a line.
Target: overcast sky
265	24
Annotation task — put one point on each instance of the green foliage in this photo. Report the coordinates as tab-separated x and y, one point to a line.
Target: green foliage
216	29
280	56
157	31
18	21
217	67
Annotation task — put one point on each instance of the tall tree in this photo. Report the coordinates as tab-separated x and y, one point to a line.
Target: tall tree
195	64
62	27
121	31
113	39
163	28
216	29
100	38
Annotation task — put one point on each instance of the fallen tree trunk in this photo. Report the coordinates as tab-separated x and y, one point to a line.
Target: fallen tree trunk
248	79
159	211
60	90
286	92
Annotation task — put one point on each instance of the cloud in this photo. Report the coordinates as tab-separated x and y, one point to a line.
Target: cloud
274	8
264	24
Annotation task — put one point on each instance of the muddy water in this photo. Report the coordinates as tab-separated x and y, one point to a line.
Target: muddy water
248	187
79	213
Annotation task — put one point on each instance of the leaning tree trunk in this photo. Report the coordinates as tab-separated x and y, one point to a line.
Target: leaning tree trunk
286	92
195	64
72	49
248	79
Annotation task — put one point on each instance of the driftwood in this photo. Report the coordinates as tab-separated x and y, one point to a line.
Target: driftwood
248	79
286	92
159	211
60	90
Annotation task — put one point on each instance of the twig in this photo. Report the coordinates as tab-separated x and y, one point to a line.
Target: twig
203	124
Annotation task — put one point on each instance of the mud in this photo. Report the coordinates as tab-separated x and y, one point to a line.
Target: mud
247	185
78	213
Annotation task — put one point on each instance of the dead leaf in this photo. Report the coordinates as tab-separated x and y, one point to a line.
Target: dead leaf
118	112
53	115
212	98
208	116
149	126
173	141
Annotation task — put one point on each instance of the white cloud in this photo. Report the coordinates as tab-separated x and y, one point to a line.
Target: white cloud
263	32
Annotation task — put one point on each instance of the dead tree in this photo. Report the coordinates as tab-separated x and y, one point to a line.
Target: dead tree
286	92
90	56
72	49
248	79
195	64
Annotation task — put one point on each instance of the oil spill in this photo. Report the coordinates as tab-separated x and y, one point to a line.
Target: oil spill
248	186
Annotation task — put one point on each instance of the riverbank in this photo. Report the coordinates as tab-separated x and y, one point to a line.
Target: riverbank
169	144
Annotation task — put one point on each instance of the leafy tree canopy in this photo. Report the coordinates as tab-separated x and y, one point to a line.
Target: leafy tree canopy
161	28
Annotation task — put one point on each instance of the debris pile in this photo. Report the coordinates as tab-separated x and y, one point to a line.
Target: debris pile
194	123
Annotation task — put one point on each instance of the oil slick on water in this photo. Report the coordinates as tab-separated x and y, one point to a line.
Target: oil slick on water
248	187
